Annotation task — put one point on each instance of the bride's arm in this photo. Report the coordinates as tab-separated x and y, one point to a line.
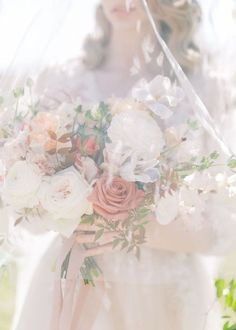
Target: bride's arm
215	235
178	238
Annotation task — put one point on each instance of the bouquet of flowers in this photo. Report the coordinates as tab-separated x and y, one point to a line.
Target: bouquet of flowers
116	165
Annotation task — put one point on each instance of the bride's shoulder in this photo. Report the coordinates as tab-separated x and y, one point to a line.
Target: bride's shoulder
62	82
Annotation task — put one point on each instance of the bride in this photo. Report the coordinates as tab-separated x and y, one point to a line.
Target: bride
169	288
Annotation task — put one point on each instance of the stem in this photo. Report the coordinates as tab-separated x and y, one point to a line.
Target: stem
16	110
171	148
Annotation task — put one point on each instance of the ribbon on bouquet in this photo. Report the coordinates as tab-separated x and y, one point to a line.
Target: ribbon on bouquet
69	307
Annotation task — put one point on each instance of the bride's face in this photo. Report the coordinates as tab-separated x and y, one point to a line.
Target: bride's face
123	13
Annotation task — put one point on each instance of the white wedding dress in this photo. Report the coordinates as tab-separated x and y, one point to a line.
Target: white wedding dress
162	291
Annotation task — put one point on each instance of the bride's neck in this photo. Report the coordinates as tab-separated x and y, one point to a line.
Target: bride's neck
124	46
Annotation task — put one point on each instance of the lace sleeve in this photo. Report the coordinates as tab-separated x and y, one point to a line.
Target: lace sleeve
58	84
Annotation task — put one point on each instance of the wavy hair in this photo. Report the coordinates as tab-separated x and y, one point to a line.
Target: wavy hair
177	20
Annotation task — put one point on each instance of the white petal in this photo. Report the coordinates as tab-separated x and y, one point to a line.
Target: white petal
161	110
167	209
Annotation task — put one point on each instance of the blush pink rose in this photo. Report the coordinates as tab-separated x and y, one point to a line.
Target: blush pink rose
91	146
88	147
116	198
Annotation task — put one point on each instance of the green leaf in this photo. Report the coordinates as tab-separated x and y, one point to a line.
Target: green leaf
193	124
124	245
229	299
18	221
214	155
232	327
88	115
18	92
232	284
103	109
95	272
138	252
130	248
220	286
99	234
78	109
226	326
115	243
29	82
142	213
232	163
88	219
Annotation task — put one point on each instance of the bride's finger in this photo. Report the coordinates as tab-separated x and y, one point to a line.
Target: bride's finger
90	238
102	249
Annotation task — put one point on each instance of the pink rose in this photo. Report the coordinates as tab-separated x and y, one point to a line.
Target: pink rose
91	146
114	200
88	147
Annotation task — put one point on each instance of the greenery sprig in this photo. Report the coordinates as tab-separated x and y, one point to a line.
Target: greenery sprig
226	293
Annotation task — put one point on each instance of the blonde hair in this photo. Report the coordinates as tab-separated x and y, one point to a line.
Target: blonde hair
177	20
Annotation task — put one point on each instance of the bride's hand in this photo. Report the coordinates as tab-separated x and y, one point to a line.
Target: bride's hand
86	235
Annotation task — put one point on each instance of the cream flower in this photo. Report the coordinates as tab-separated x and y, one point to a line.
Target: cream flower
136	144
64	198
121	105
159	95
21	185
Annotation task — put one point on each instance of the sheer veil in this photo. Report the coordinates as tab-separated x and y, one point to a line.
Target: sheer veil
34	40
149	129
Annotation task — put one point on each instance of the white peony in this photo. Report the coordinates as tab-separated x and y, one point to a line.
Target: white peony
21	185
64	198
160	95
136	144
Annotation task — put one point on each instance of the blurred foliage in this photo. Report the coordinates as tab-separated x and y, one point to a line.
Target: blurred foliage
7	294
226	293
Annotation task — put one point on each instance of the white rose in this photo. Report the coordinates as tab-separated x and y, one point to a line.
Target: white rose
21	185
15	149
4	222
136	144
64	198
